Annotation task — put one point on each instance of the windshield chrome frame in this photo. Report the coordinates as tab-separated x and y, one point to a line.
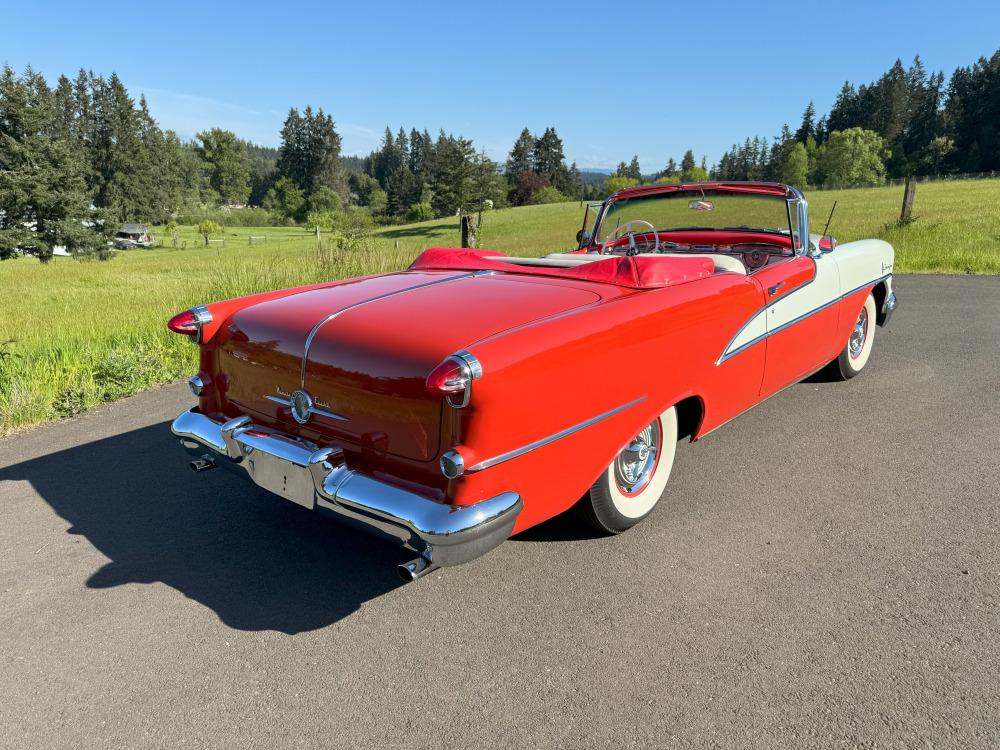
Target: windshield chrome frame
798	201
794	198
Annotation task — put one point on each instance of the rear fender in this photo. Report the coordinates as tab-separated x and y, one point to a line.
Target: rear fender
607	370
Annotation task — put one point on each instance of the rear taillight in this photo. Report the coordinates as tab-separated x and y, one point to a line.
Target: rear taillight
453	378
190	322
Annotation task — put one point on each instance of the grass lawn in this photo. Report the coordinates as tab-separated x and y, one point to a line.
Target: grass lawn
75	334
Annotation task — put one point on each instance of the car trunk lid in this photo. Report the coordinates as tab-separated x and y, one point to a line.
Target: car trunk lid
363	350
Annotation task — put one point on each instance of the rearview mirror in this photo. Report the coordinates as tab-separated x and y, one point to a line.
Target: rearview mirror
701	205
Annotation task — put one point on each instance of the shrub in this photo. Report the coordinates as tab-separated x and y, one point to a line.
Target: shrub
528	183
854	157
355	223
548	194
325	220
209	228
324	200
229	217
614	183
419	212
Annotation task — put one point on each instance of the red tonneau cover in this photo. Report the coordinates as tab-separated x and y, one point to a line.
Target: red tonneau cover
634	272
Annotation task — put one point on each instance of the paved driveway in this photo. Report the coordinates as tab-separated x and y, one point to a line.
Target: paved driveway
825	574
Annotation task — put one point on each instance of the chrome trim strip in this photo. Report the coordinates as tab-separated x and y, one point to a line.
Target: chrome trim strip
328	414
517	452
341	311
728	355
312	409
757	312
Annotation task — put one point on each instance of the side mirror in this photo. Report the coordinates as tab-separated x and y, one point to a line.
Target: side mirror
583	237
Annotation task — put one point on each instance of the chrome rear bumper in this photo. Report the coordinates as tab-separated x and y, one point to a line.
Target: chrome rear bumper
318	478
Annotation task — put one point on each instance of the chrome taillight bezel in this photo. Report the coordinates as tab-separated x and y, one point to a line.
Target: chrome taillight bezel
457	390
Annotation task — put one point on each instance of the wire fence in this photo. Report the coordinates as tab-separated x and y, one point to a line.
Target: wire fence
900	181
184	242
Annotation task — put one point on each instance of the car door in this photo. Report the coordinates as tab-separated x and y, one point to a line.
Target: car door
801	318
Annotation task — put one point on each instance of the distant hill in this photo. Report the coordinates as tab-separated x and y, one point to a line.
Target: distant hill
594	177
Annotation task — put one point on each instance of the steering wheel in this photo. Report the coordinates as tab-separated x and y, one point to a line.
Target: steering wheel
618	233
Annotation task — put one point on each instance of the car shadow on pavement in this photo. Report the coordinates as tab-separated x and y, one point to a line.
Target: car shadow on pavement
258	562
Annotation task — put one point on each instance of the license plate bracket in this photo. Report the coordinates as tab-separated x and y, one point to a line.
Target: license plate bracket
282	477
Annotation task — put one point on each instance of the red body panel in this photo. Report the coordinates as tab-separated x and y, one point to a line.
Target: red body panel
556	349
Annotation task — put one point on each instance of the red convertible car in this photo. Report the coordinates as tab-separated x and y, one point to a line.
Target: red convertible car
475	394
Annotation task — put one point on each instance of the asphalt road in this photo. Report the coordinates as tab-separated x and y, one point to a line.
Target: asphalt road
826	573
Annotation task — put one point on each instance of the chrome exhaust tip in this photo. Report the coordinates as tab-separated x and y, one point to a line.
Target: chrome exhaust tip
202	464
416	568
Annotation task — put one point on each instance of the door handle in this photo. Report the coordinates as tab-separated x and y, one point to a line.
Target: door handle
772	290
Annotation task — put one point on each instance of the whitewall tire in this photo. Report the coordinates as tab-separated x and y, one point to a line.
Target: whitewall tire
633	484
855	354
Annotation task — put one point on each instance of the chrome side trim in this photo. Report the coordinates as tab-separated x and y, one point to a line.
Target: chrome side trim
728	355
312	409
341	311
757	312
487	463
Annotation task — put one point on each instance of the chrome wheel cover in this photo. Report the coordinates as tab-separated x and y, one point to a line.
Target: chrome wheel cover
635	464
856	343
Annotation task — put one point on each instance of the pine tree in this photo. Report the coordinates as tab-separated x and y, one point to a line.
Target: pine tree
400	188
420	145
310	152
807	127
687	162
228	164
633	171
520	159
547	155
44	198
450	173
844	113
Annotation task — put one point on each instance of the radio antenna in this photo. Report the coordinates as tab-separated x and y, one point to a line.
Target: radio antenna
830	218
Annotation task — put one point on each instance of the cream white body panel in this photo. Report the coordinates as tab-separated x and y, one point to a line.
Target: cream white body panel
862	262
839	272
822	291
754	330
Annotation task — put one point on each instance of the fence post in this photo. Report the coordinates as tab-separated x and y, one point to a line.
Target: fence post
909	193
468	230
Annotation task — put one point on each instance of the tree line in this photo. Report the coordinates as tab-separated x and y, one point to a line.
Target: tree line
81	157
906	122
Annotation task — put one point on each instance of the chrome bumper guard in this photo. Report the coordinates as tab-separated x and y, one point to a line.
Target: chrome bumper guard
318	478
887	308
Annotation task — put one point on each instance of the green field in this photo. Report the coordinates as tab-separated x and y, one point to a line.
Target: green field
76	334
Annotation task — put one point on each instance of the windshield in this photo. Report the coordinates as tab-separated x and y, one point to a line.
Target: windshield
694	209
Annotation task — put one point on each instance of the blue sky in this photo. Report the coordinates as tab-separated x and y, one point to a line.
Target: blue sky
614	79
